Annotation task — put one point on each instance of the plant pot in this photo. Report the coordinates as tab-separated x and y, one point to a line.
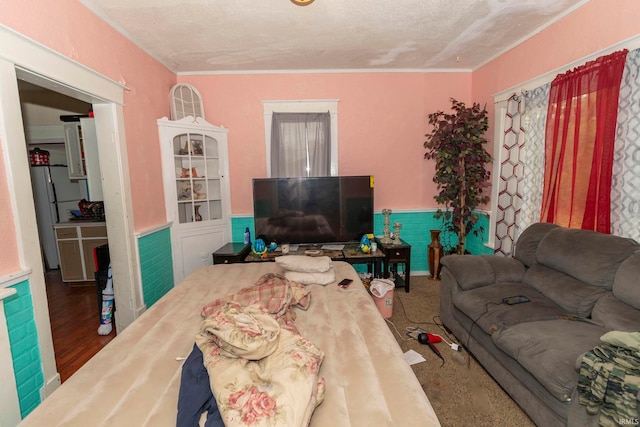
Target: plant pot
434	254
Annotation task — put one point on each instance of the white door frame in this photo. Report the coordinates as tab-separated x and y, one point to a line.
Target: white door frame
21	57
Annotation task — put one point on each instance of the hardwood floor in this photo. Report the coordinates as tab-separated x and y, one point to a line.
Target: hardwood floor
75	319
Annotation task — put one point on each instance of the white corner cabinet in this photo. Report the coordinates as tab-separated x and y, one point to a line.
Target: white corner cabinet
81	144
196	190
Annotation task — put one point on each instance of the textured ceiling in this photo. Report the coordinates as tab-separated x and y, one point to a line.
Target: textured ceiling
191	36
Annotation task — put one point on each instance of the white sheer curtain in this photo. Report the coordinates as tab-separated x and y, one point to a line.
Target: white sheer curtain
300	144
531	184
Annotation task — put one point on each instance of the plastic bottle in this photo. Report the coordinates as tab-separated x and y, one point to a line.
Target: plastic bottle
247	236
106	317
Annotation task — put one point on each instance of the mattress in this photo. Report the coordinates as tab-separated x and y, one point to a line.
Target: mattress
135	379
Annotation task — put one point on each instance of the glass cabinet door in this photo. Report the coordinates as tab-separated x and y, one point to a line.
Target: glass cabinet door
197	172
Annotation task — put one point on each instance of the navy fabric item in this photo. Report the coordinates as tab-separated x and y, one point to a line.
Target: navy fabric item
195	395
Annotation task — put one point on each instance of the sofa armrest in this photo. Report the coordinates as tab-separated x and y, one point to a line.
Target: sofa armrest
473	271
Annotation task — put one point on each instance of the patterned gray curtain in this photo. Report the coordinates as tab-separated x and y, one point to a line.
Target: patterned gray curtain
521	167
625	192
511	169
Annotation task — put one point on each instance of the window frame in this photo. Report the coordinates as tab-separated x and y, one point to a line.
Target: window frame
302	106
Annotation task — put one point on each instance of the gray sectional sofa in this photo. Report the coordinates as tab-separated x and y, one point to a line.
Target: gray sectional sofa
581	284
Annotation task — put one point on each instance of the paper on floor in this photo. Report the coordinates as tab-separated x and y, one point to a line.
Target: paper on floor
412	357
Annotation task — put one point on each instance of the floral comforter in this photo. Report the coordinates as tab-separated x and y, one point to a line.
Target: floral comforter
262	371
273	291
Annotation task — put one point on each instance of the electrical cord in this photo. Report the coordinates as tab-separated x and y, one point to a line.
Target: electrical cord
396	331
407	317
435	323
453	346
486	310
444	329
415	331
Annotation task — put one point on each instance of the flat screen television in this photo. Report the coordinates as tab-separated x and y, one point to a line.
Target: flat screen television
313	210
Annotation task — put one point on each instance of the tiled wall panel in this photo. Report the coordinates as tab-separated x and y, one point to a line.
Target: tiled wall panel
25	350
156	265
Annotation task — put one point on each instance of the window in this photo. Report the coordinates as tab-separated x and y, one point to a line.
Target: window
185	100
579	144
304	141
300	144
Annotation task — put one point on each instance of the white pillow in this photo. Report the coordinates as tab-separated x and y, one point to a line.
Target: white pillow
317	278
304	264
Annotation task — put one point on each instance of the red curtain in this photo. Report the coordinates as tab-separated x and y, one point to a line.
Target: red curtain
579	144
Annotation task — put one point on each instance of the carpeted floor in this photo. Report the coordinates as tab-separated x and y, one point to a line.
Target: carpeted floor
461	393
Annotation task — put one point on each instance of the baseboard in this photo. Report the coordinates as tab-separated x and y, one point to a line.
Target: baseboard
421	273
141	310
51	386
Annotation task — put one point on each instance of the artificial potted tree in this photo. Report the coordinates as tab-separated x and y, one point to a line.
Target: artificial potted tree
456	143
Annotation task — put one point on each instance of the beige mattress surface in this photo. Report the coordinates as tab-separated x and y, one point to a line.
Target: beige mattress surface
135	379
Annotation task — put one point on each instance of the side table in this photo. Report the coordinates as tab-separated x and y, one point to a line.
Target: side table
394	255
353	255
231	253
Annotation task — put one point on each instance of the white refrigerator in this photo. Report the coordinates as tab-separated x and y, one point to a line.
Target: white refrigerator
54	196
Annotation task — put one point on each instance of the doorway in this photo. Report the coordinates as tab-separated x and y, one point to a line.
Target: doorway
74	311
24	59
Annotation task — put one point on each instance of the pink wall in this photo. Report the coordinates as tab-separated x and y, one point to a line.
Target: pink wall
593	27
382	117
71	29
382	121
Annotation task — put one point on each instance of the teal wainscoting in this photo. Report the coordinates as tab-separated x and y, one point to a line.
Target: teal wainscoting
156	265
238	225
415	231
477	245
25	350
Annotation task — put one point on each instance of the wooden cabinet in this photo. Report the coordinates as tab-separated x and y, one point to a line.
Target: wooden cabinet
81	144
70	260
76	244
196	187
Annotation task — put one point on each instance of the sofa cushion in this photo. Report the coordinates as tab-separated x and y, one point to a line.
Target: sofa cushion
626	285
549	350
585	255
616	315
485	307
470	271
571	294
528	241
505	269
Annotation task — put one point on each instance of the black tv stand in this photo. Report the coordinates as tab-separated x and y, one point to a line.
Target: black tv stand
237	252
